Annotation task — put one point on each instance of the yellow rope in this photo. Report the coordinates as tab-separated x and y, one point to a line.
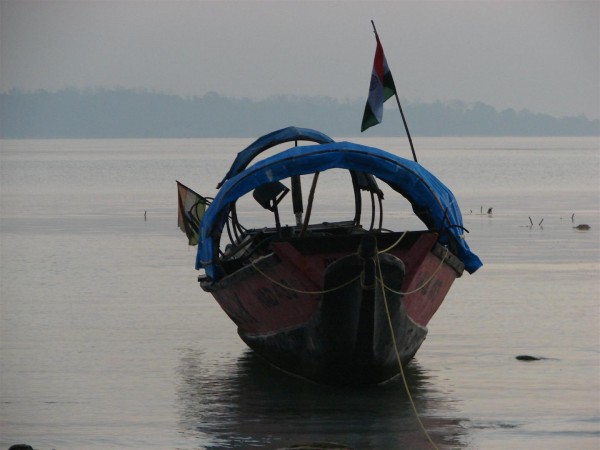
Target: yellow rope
394	244
425	283
357	277
387	311
389	318
300	291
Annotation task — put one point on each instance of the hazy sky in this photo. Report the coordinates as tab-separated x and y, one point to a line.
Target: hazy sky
543	56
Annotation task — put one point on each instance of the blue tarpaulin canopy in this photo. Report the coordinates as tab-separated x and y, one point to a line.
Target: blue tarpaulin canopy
267	141
431	201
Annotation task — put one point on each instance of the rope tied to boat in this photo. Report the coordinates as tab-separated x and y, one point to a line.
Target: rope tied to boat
299	291
393	336
379	281
359	276
425	283
394	244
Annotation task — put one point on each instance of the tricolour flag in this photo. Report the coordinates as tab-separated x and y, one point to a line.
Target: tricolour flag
190	211
382	87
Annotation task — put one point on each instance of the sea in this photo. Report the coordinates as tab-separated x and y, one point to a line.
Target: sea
108	342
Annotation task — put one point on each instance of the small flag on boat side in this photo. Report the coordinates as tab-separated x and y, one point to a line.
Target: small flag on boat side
382	87
190	211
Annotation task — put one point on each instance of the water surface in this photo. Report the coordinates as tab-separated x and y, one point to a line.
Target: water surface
106	340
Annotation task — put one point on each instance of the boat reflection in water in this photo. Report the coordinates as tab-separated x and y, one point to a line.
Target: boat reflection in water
239	403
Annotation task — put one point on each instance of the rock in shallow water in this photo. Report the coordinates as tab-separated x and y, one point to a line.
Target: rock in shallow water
527	358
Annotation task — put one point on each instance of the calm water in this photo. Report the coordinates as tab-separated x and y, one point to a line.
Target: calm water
106	340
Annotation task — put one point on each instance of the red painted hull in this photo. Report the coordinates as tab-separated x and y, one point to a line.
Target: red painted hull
277	302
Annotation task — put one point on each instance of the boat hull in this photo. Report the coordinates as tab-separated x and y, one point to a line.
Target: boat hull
320	310
348	341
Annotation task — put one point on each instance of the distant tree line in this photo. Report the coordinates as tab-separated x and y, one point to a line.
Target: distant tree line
128	113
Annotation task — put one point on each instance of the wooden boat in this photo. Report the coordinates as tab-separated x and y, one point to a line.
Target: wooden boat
334	302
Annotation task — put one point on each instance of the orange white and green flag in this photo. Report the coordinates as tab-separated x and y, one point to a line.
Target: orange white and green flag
382	87
190	211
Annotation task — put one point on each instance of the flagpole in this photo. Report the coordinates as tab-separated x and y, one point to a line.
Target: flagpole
400	108
406	128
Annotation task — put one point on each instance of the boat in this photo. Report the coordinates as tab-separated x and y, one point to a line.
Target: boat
339	302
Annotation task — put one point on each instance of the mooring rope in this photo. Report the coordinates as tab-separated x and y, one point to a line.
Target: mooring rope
299	291
393	335
326	291
394	244
425	283
387	311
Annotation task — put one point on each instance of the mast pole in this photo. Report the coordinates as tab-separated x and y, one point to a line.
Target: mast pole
412	148
297	197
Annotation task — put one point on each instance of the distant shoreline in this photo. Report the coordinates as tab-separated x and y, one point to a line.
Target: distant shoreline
138	114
